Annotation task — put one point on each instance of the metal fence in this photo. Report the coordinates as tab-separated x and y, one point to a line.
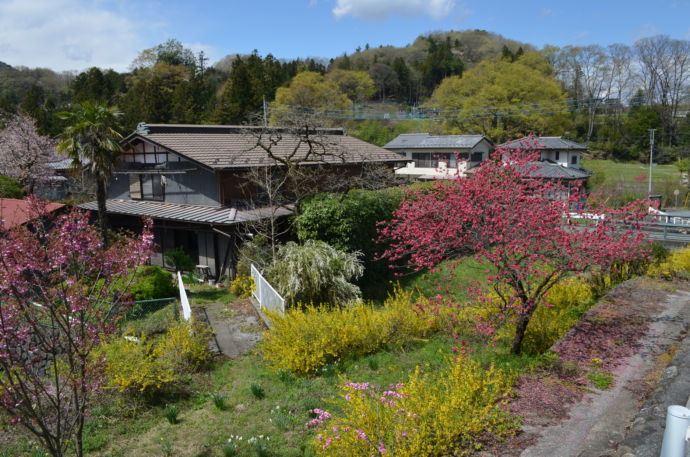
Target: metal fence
265	294
142	308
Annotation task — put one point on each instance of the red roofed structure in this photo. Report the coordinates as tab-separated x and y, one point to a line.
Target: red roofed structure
14	213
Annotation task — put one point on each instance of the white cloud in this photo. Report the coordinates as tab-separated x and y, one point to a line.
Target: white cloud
381	9
67	34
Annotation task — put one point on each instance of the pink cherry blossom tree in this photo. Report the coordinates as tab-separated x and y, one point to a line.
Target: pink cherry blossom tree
24	154
524	226
61	293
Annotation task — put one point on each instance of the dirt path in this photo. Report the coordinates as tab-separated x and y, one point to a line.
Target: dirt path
631	334
237	326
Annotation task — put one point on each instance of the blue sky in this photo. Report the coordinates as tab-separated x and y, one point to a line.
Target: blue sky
76	34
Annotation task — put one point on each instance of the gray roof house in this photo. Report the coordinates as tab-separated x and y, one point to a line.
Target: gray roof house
191	180
439	156
560	158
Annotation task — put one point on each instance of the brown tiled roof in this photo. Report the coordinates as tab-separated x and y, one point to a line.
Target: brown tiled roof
221	147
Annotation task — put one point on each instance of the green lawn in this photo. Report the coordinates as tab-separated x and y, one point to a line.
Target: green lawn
618	180
450	278
202	294
627	171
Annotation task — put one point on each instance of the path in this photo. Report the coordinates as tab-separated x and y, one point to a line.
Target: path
633	333
237	326
599	421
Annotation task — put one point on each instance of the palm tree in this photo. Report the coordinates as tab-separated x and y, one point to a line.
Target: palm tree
92	141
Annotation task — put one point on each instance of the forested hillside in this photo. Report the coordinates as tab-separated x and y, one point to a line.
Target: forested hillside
445	82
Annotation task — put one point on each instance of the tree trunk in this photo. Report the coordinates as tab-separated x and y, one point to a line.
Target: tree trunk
102	216
521	329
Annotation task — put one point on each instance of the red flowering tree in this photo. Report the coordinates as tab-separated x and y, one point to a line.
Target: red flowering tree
522	225
61	292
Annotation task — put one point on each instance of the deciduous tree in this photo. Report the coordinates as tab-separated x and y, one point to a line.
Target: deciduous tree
512	223
24	153
61	293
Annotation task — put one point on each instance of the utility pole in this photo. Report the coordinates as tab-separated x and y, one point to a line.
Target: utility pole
651	156
265	115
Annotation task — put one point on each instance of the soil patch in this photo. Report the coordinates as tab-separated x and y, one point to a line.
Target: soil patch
237	326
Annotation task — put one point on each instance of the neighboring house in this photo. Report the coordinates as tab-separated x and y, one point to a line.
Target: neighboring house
439	156
560	159
191	180
14	213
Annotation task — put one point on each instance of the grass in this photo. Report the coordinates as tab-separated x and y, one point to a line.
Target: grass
121	428
602	380
258	401
450	278
154	323
117	428
617	179
202	294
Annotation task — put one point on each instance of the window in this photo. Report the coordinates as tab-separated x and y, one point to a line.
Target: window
431	159
573	160
558	155
146	187
476	157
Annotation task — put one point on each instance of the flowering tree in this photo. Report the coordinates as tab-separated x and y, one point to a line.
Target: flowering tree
61	292
24	154
521	225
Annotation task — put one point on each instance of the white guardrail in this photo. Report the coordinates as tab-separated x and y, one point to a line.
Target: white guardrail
265	294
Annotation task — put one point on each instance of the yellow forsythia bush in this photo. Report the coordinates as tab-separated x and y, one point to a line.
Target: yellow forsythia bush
306	339
133	367
147	367
565	304
185	347
444	413
243	286
676	265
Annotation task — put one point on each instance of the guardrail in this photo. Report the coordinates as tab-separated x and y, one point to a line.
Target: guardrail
265	294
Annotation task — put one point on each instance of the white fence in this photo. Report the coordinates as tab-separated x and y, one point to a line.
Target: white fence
184	301
265	294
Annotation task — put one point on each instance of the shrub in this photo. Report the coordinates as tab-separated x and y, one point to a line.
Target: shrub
444	413
243	286
148	367
133	368
348	222
185	347
304	340
179	260
10	188
676	265
255	252
153	282
315	273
